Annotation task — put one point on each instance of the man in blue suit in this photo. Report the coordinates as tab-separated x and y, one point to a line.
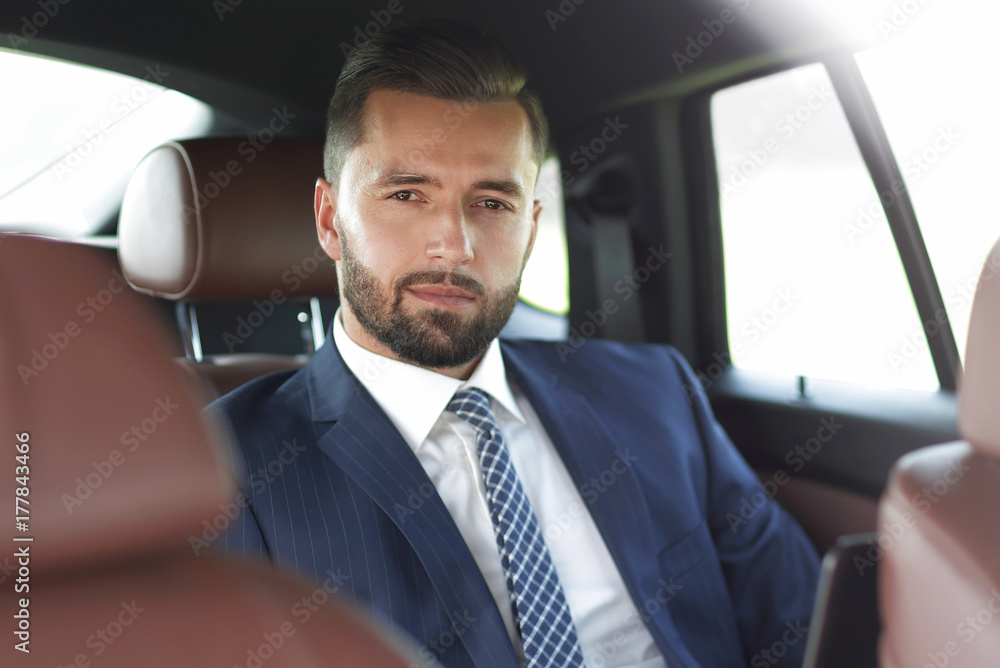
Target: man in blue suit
502	502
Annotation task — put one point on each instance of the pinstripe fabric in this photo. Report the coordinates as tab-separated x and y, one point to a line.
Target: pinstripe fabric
352	508
336	495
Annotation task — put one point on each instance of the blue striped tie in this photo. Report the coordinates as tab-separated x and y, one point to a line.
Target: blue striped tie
540	607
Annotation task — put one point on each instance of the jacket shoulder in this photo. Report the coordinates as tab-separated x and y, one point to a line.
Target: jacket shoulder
571	355
260	398
609	365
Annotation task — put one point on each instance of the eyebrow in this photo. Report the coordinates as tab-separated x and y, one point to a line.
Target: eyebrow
395	178
508	187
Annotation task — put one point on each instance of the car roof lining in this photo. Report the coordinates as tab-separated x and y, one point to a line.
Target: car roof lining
598	57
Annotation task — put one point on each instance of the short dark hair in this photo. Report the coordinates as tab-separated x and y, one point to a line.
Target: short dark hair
439	58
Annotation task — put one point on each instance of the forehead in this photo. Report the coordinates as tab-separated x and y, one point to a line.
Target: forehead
416	131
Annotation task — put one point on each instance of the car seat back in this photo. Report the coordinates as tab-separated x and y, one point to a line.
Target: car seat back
939	543
119	485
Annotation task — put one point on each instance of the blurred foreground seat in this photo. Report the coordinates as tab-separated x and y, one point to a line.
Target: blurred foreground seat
939	587
124	476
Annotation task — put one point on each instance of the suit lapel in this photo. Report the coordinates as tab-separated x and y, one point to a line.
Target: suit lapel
365	444
616	504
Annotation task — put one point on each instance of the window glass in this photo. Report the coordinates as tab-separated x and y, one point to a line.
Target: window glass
73	136
936	85
814	283
545	283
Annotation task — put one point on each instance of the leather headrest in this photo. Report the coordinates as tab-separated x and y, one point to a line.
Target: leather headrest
979	412
117	460
225	220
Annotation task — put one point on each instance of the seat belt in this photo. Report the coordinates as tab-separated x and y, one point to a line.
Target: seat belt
617	313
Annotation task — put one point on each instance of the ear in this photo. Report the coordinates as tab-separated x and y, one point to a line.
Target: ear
325	206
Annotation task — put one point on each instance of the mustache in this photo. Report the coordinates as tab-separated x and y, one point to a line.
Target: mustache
434	276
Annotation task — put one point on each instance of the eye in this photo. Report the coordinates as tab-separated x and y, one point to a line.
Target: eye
495	205
404	196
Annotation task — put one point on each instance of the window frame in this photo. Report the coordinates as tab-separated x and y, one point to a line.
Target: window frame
883	169
768	415
872	141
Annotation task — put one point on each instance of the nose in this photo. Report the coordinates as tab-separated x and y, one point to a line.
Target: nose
449	240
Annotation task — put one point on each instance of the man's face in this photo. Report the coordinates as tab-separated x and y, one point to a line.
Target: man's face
431	224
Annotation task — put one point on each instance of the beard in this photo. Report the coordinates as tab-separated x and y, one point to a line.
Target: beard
428	337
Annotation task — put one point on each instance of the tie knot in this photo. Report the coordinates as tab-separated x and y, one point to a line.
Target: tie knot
473	406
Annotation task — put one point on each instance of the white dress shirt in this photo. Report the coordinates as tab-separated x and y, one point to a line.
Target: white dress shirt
610	630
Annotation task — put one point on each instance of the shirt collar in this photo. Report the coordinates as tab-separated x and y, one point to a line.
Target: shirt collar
414	397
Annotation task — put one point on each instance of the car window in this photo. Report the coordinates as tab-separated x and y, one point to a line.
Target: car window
74	135
805	293
545	283
935	86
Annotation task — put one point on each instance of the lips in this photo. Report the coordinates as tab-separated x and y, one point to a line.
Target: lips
442	295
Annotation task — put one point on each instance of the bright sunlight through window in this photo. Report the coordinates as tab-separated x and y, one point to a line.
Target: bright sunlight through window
936	85
77	133
814	282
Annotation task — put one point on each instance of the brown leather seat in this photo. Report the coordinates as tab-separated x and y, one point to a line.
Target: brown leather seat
218	220
123	478
939	544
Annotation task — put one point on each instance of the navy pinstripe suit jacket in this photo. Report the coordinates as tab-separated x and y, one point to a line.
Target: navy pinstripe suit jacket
335	494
